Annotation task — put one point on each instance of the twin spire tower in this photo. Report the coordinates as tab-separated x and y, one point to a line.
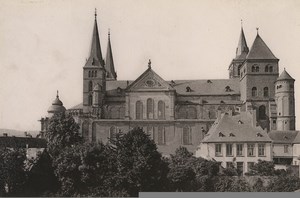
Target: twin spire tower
96	72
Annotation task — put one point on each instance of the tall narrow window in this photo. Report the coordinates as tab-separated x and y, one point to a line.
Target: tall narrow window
262	112
228	149
218	149
90	99
150	108
95	73
257	69
270	69
261	149
266	92
186	136
89	73
253	69
150	132
250	150
90	86
161	135
239	149
161	110
139	110
286	148
254	91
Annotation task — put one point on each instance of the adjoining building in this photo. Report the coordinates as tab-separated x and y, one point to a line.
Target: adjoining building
180	112
236	141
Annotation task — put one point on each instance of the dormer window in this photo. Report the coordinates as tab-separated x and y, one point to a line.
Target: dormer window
221	134
208	81
259	135
227	89
240	122
231	135
119	90
188	89
222	102
285	137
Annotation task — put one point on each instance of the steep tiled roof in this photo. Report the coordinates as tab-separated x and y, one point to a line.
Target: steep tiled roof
283	136
260	50
21	142
207	87
285	76
237	128
79	106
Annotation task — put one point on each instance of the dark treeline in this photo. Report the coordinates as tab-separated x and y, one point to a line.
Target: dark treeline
127	165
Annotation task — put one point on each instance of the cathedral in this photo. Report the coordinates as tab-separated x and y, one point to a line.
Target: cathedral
180	112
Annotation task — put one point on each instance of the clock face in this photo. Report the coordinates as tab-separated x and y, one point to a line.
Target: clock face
150	83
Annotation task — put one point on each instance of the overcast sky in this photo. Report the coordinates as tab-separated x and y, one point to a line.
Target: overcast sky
44	44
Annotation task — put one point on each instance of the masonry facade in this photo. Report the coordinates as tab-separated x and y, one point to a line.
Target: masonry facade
180	112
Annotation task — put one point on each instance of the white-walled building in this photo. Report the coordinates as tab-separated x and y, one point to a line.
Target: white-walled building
236	140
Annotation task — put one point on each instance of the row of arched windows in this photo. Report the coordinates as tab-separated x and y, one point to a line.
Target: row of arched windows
265	93
150	109
268	68
92	74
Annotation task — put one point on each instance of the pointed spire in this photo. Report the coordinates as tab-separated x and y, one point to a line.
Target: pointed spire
285	76
260	50
109	66
95	58
149	63
242	48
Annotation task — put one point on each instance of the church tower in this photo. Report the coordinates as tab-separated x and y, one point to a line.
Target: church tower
94	74
285	100
109	66
241	53
257	77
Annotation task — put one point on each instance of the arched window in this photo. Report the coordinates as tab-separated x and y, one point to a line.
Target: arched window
266	92
95	73
85	130
150	108
262	112
270	69
94	130
186	135
257	69
239	69
90	99
90	86
253	68
112	132
254	91
139	110
89	73
161	135
267	68
161	110
150	132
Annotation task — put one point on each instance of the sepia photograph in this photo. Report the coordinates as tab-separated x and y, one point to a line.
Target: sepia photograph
152	98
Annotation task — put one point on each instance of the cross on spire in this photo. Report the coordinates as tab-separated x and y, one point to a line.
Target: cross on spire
95	13
149	63
57	94
257	30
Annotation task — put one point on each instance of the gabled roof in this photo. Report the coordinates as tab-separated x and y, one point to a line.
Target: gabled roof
95	58
242	48
283	136
149	80
236	128
260	50
285	76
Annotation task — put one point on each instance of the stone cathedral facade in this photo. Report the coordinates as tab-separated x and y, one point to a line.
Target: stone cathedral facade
180	112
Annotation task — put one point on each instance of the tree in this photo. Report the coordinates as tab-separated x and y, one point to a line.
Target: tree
262	168
284	183
62	132
181	174
139	166
12	172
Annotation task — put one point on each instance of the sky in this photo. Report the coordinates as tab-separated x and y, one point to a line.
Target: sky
44	45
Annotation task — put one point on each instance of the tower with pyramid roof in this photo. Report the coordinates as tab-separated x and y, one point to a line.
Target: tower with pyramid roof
285	100
94	74
257	77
